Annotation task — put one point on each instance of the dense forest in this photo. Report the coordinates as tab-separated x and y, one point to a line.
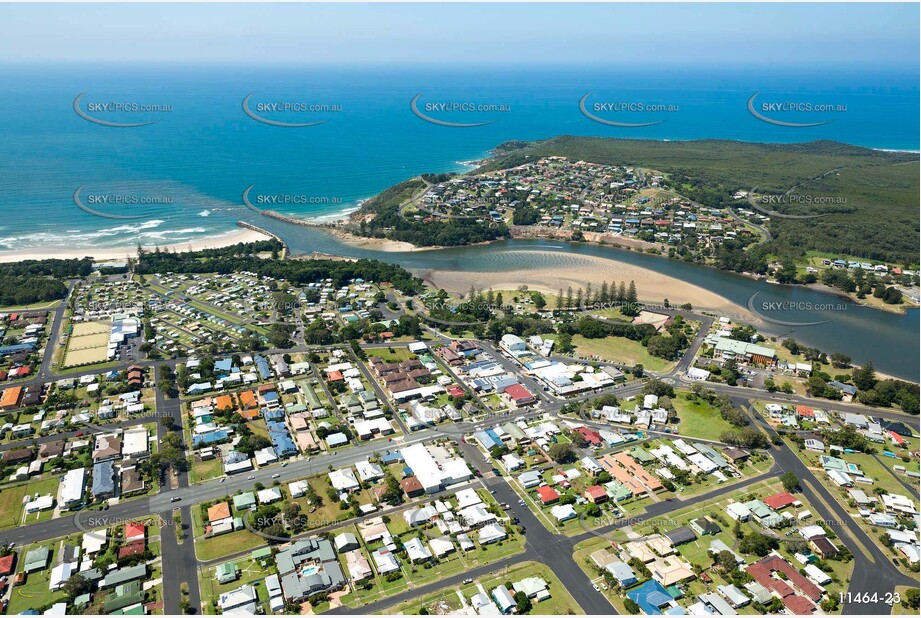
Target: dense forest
380	217
243	257
26	290
876	217
39	281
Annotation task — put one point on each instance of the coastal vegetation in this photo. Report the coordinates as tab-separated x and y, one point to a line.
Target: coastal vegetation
243	257
382	217
871	210
36	281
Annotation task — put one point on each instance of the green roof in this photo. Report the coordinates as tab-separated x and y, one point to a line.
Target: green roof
225	571
641	454
262	552
134	610
82	600
36	559
244	500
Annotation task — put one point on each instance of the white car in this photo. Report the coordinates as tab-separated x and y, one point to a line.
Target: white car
276	475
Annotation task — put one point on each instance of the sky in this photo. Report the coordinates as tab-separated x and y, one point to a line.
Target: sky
649	34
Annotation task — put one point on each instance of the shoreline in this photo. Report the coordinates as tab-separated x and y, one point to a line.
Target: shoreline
651	285
101	254
384	245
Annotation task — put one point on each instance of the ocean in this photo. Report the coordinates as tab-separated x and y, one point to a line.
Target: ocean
181	178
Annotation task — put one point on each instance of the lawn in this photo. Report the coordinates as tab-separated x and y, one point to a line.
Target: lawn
620	350
250	572
398	355
698	418
227	544
897	608
11	500
204	470
34	594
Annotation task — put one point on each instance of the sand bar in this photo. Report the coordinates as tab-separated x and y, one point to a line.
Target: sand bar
651	286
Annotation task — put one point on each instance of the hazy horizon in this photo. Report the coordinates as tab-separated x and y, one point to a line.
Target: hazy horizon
655	35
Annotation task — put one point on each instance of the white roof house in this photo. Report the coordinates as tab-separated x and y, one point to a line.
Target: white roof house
72	487
343	480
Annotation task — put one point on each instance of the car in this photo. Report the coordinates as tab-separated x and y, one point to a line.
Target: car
175	499
468	581
492	491
604	586
223	478
284	464
276	475
78	434
251	477
521	502
595	586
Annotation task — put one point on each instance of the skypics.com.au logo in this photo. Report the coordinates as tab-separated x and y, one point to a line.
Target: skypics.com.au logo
430	111
604	112
283	113
771	111
116	113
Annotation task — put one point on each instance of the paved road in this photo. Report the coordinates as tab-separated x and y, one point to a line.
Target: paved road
179	561
873	569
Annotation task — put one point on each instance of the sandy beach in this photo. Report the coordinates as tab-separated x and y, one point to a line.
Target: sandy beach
120	253
651	286
375	244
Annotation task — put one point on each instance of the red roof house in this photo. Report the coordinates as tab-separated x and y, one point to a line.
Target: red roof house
519	395
135	531
132	549
779	501
548	495
596	494
7	563
591	436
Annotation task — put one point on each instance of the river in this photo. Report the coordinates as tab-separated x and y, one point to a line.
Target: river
890	340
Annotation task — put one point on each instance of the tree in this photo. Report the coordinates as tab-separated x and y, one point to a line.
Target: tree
839	360
539	301
864	377
77	585
727	561
562	453
631	606
912	598
758	544
522	602
790	482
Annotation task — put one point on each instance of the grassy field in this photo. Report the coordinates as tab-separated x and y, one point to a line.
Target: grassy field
204	470
34	594
900	610
227	544
620	350
560	601
11	499
698	418
250	571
